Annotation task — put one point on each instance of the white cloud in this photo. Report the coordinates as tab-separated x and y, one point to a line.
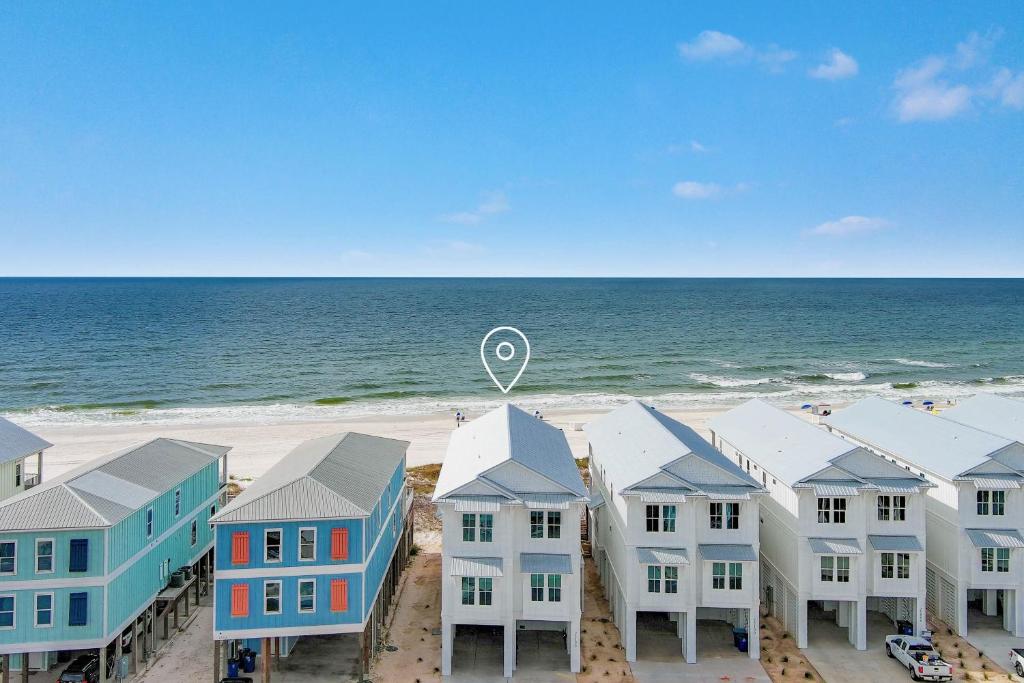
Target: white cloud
692	146
691	189
849	225
940	87
697	147
710	45
491	203
838	65
715	45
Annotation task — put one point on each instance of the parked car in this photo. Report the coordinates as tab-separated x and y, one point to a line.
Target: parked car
1017	660
920	658
84	669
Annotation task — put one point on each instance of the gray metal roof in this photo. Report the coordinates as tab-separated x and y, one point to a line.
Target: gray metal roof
342	475
727	552
942	446
548	501
104	491
477	503
835	546
991	413
902	543
899	485
785	445
825	487
725	492
17	442
545	563
994	481
596	500
995	538
508	434
475	566
661	496
662	556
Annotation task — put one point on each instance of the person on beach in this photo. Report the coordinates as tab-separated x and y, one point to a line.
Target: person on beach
458	419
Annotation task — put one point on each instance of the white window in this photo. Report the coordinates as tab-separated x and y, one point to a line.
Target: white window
8	557
177	502
43	610
271	597
718	575
17	475
44	555
732	515
828	568
831	511
7	612
272	545
554	585
995	559
307	544
538	528
735	576
661	518
307	596
992	503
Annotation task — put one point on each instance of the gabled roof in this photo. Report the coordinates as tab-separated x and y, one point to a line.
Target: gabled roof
342	475
17	442
800	453
990	413
640	447
508	435
932	443
104	491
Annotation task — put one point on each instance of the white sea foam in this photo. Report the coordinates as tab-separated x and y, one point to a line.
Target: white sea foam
730	381
921	363
847	376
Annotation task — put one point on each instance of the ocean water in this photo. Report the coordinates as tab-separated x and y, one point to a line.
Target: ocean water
86	350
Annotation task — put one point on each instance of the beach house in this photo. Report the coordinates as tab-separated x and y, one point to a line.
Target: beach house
842	530
85	556
511	500
674	528
309	555
17	445
974	513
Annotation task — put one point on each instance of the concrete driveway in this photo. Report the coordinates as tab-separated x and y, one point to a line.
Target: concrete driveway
541	657
987	634
838	662
660	658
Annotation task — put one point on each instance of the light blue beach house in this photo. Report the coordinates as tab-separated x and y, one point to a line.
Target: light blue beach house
313	548
85	555
17	445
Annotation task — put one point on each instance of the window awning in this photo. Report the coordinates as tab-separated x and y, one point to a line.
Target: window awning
662	556
475	566
994	481
477	503
902	543
727	552
725	491
898	485
996	538
835	546
662	496
545	563
548	501
837	488
596	500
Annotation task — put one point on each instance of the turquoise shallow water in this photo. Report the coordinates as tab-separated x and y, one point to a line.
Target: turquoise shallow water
141	349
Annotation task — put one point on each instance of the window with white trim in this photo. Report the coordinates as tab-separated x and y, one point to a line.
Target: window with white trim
43	610
8	557
671	579
307	596
468	590
653	578
828	568
307	544
271	597
661	518
538	528
468	527
715	515
7	610
892	508
554	586
991	503
995	559
485	591
732	515
177	502
44	555
718	575
272	545
842	569
149	522
831	511
735	576
486	528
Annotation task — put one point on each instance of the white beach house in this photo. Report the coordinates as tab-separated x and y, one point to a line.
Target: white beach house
843	529
511	501
674	527
17	445
974	514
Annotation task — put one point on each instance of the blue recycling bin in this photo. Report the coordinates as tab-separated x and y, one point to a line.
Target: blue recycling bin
739	639
905	628
248	661
232	668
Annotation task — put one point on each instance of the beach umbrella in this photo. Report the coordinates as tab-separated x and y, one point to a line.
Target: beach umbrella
908	403
927	403
805	406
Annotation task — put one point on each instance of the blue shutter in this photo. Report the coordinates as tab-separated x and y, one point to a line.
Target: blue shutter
79	555
78	609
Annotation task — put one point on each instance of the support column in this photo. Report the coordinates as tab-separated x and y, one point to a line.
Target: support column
5	675
574	645
447	641
24	667
267	657
801	623
754	633
135	645
859	624
920	617
510	648
691	636
630	623
103	664
843	610
217	646
1017	600
990	602
961	609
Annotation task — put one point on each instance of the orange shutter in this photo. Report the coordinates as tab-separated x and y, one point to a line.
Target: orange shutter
240	600
339	544
339	595
240	547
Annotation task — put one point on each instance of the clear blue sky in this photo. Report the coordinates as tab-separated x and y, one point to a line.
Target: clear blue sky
528	139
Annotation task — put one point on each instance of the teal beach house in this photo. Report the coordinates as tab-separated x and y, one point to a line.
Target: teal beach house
312	551
84	555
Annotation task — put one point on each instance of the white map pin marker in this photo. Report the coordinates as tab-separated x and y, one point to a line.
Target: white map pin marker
505	353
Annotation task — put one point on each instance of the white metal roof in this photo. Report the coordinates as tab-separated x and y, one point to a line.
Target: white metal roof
17	442
475	566
901	543
992	413
545	563
508	434
780	442
727	552
662	556
995	538
634	443
941	446
342	475
104	491
835	546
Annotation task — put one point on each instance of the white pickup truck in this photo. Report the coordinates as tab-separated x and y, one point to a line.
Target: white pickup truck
1017	660
920	658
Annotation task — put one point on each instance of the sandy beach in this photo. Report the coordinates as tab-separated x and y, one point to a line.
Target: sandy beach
257	446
